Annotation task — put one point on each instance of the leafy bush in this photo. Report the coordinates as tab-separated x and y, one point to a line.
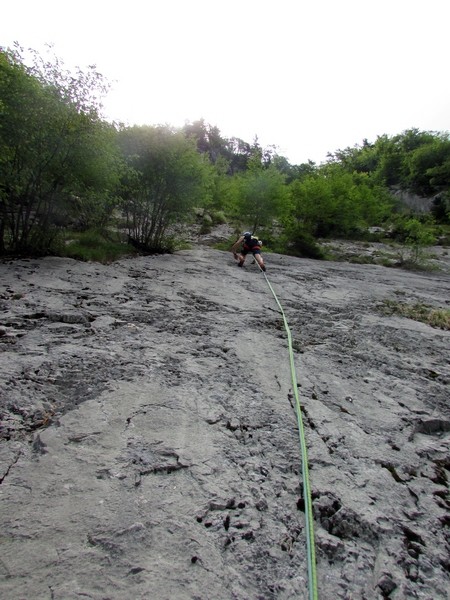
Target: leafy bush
415	235
206	224
441	208
218	217
298	242
333	202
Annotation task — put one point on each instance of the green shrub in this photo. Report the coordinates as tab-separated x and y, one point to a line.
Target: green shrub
218	217
206	226
307	247
301	244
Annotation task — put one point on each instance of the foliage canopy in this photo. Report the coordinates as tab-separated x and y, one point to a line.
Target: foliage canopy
56	154
62	166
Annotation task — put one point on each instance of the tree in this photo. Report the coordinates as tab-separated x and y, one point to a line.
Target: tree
293	172
260	195
416	235
335	202
429	167
414	160
53	147
362	159
164	179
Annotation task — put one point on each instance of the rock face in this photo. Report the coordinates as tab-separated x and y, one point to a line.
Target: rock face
150	447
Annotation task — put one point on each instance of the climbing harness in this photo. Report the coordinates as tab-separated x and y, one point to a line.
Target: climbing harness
310	547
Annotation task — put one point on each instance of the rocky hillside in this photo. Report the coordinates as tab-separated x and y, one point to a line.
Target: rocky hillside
149	442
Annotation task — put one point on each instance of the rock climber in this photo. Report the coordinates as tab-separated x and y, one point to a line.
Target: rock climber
245	244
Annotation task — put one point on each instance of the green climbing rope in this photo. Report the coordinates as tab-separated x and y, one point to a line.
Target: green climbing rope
311	552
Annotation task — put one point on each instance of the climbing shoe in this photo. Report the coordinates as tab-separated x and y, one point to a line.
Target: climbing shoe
241	263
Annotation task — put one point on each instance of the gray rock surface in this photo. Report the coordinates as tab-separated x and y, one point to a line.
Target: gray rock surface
149	442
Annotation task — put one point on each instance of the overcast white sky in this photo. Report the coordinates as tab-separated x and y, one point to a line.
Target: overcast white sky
308	76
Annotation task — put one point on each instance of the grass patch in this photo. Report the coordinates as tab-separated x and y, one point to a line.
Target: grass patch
95	246
226	244
181	245
435	317
362	259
